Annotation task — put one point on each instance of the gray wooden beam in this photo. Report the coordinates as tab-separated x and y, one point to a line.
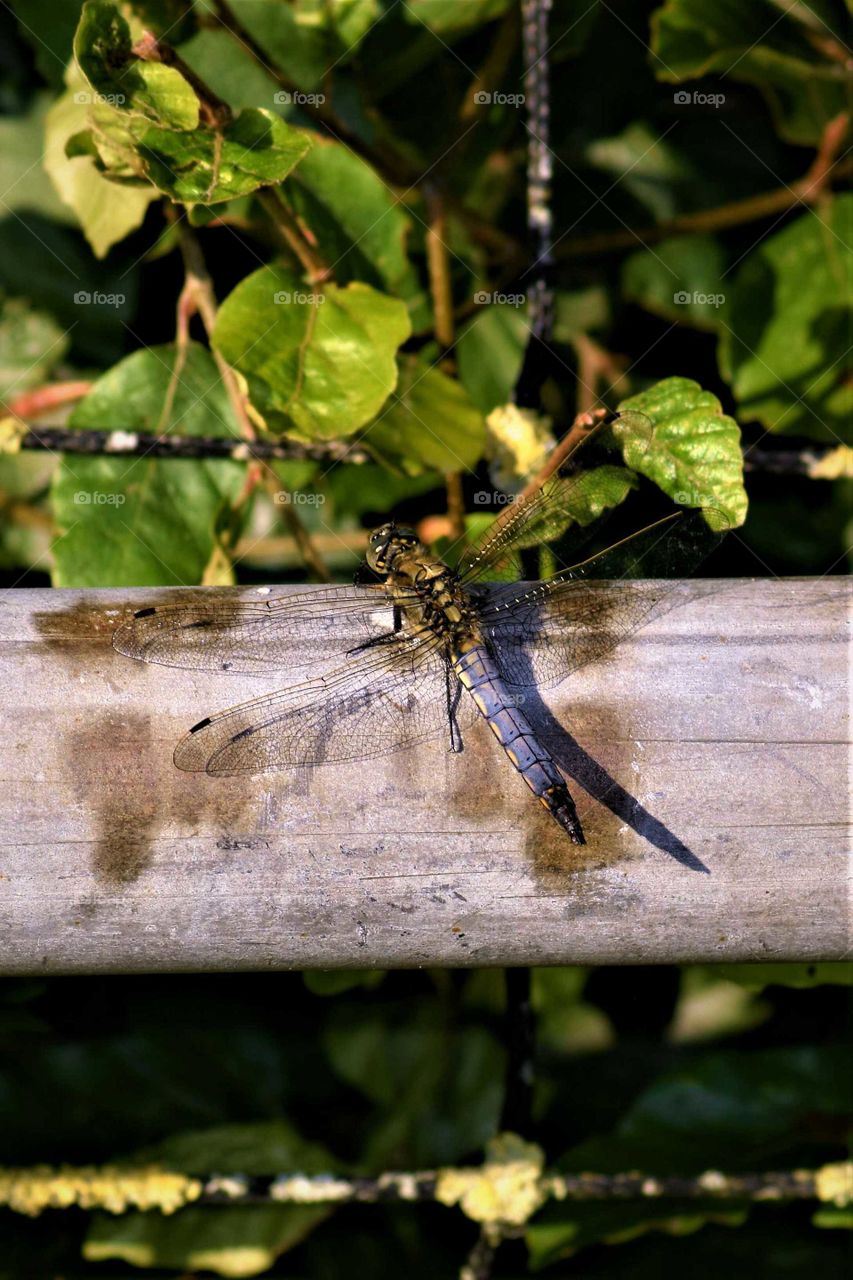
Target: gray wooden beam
714	741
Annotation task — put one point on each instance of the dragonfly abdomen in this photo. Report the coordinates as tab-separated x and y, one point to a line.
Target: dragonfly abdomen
476	670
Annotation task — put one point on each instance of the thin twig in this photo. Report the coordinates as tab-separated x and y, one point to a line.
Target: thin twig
300	535
293	235
47	399
441	292
198	293
390	163
821	174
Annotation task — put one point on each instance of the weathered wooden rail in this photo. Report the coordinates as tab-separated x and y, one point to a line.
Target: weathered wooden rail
710	765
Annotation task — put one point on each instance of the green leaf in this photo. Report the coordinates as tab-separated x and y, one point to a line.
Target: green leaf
648	166
434	1085
562	1231
22	174
263	1148
363	236
490	351
318	362
103	49
580	311
759	976
53	266
786	326
680	279
227	67
48	26
587	496
31	344
146	521
834	1217
452	18
106	212
731	1110
144	120
694	451
239	1240
257	149
333	982
430	425
758	45
307	38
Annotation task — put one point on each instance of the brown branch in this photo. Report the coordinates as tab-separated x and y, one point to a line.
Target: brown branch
821	174
438	266
198	296
307	549
391	164
583	424
596	366
293	235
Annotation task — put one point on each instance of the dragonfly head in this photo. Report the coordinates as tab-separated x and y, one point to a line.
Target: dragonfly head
386	543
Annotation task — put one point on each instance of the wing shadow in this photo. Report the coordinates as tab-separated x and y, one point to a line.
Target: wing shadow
582	768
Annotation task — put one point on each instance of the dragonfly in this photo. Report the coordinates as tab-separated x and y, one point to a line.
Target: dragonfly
437	647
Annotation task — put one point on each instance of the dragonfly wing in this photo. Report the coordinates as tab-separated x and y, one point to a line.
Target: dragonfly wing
543	631
555	510
256	637
383	703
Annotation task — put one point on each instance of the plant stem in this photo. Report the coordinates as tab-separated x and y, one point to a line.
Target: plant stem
293	235
821	173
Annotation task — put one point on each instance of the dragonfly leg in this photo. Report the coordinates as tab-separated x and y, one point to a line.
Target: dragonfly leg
383	639
453	689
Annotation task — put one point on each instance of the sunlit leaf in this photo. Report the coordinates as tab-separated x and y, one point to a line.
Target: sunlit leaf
319	360
138	521
785	333
694	450
430	424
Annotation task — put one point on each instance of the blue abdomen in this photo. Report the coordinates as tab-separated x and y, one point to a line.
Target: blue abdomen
477	671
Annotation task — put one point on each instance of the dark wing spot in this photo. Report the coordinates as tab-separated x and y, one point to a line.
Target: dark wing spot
202	724
200	622
244	733
144	613
226	666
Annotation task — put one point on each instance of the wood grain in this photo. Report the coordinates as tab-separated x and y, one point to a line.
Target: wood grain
711	764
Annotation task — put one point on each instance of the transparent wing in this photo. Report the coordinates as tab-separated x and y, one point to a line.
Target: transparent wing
257	637
545	515
370	707
541	632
